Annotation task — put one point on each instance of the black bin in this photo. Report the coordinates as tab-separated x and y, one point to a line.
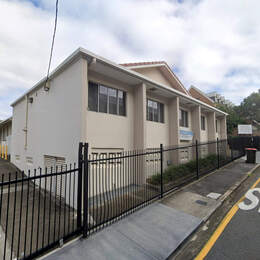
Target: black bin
250	155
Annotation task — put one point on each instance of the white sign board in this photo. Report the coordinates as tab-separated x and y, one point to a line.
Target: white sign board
245	129
186	135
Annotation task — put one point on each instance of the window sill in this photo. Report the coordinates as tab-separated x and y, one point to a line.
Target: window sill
104	113
155	122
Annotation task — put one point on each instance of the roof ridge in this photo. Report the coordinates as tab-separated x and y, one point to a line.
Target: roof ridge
163	63
201	92
142	63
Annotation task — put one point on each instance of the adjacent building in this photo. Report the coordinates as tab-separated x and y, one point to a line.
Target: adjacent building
112	107
219	99
5	137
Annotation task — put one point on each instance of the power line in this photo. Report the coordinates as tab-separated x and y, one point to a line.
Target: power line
52	45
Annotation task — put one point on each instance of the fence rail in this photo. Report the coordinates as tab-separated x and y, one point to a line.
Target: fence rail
43	208
242	142
37	211
117	185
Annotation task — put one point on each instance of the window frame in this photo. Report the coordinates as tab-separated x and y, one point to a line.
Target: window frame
203	123
124	98
181	119
160	108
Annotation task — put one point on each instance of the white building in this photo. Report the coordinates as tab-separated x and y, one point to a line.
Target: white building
219	99
112	107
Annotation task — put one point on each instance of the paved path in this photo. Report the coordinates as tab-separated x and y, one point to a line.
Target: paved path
33	212
258	157
149	233
154	232
239	232
6	169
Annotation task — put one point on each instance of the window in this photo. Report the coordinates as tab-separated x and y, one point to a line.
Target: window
216	126
103	99
54	163
155	111
103	156
184	155
114	158
121	103
29	160
93	96
112	98
106	100
184	120
107	157
203	123
153	155
94	157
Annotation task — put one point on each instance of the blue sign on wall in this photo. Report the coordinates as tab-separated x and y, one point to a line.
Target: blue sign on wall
186	135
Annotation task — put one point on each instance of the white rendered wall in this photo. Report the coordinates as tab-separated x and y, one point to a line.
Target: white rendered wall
158	133
54	121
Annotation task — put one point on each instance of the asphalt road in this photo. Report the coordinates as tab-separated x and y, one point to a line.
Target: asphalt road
240	237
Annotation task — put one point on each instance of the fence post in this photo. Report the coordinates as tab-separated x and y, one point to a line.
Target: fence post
79	198
85	196
231	148
197	159
218	153
161	155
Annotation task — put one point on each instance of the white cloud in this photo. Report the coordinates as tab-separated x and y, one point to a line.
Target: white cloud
214	44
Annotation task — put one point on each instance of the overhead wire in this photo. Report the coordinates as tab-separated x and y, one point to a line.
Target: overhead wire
52	44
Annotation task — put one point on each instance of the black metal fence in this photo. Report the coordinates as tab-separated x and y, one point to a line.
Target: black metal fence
43	209
117	185
242	142
37	211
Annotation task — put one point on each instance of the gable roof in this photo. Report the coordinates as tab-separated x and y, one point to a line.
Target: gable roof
198	94
91	57
165	69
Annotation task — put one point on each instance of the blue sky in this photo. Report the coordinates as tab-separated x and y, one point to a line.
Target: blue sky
213	45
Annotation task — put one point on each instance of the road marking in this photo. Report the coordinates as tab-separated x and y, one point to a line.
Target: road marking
205	250
252	198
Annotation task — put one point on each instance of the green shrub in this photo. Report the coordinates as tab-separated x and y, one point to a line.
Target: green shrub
174	172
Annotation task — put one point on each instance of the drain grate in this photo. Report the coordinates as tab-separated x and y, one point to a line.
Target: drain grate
201	202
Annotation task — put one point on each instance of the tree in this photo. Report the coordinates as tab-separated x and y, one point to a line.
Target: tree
250	107
233	118
246	113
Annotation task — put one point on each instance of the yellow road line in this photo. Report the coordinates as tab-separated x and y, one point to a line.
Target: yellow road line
205	250
255	184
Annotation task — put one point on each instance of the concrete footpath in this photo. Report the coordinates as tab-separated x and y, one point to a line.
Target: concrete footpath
154	232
